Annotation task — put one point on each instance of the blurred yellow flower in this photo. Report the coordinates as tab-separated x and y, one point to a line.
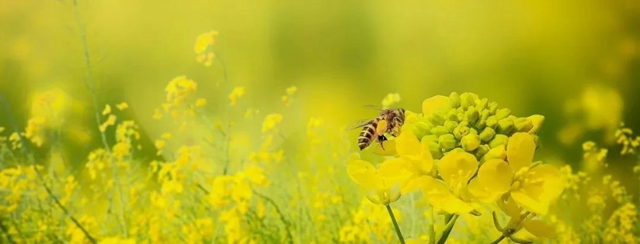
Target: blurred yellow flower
201	102
122	106
201	47
533	186
235	94
390	99
451	194
270	122
106	110
382	183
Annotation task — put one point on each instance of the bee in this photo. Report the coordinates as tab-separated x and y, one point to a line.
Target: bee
393	118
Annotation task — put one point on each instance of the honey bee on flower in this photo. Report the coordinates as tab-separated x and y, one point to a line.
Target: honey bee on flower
388	121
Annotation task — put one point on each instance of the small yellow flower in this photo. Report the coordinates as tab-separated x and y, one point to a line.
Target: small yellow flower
201	102
534	187
270	122
122	106
390	99
382	183
452	195
235	94
107	110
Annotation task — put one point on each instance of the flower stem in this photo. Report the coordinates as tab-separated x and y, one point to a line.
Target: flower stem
498	240
395	224
447	230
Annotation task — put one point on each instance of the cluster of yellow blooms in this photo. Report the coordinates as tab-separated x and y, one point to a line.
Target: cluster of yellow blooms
447	170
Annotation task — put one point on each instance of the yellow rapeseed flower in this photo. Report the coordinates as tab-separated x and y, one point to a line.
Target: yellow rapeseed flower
270	122
533	186
382	183
235	94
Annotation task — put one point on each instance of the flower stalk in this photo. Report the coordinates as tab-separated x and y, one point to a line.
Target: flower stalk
445	234
395	223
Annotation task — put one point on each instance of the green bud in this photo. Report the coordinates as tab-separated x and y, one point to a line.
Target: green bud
470	142
418	132
482	122
473	131
447	141
422	128
472	114
492	122
452	115
512	117
482	104
524	125
493	107
454	100
439	130
460	131
496	152
450	125
487	134
503	113
505	126
467	100
482	150
436	118
434	148
537	121
431	138
498	140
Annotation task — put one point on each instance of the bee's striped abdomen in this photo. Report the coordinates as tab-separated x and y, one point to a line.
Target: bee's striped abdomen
367	134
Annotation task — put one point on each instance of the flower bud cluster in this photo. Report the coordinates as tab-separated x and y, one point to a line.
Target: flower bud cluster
473	124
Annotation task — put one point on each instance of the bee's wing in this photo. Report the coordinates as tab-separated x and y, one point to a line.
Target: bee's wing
358	124
371	106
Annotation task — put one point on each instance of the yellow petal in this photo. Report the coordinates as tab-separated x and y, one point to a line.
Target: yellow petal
530	201
364	174
389	149
551	177
457	167
411	184
407	144
520	149
495	175
426	160
509	207
432	104
539	229
392	168
480	193
441	197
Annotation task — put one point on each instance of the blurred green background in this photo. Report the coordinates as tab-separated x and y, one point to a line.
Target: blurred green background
575	62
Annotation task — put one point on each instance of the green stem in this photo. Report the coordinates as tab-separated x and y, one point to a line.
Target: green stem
498	240
395	224
447	230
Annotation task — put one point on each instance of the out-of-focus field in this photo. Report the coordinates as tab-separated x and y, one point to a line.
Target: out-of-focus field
228	122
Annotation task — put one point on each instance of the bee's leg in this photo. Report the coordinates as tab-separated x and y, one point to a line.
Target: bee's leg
381	139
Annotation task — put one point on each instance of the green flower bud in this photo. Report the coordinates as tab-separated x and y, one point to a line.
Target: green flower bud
417	132
472	114
496	152
493	107
467	100
473	131
482	150
505	126
431	138
452	115
454	100
470	142
434	148
436	118
439	130
482	122
422	128
447	141
537	121
503	113
487	134
498	140
482	104
450	125
524	125
460	131
492	122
